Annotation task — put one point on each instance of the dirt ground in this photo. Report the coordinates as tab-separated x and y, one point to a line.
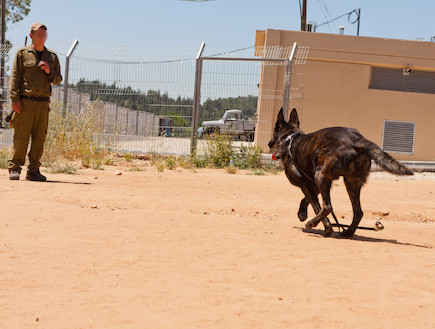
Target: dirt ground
206	249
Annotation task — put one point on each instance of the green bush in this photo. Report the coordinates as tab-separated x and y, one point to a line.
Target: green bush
248	157
219	150
221	153
171	162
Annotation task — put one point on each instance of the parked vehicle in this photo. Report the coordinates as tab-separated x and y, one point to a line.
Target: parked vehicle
232	123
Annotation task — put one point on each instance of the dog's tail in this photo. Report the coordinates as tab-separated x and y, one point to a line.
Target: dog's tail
384	160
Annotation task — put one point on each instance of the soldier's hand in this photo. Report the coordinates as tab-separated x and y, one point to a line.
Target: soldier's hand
44	66
16	106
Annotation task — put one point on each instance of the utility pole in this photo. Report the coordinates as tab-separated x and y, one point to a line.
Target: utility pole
359	19
2	64
304	16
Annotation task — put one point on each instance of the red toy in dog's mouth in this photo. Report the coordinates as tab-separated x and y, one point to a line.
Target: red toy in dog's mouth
275	156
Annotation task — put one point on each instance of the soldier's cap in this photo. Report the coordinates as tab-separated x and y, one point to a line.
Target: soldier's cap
37	26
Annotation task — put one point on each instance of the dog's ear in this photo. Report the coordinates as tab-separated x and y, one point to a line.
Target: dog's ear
294	119
280	120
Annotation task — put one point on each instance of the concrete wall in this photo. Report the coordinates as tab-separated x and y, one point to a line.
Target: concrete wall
114	118
336	92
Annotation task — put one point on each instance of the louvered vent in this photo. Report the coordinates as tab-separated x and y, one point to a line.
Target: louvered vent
398	136
400	80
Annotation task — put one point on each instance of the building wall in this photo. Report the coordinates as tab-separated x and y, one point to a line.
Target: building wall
336	92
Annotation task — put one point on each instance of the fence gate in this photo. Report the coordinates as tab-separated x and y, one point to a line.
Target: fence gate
256	85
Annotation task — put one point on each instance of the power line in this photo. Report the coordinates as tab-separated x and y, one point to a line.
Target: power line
326	18
357	19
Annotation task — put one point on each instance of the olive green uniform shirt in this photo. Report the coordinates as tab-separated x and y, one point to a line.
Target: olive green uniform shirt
27	79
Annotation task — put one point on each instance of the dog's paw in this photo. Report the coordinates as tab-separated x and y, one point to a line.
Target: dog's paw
302	215
310	225
328	232
346	234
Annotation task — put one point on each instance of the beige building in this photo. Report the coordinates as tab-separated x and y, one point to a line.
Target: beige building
383	87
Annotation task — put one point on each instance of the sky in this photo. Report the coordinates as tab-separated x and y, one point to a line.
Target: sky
226	23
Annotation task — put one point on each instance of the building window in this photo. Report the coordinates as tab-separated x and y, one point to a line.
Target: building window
398	137
408	80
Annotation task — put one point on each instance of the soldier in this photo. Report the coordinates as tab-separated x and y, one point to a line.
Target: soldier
35	68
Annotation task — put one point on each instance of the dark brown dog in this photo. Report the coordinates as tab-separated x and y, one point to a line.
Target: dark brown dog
313	161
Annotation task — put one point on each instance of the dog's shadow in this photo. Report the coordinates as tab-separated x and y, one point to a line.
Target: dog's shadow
320	233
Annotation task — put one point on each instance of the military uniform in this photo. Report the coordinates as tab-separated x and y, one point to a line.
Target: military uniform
31	86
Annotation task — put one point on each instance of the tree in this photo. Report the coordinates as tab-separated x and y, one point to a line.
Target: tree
15	11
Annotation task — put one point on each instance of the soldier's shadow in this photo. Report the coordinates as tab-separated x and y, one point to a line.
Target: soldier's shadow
65	182
320	233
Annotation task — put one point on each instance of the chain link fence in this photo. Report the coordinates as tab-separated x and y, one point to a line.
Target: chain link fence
144	96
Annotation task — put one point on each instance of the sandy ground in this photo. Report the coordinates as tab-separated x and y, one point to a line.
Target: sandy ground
180	249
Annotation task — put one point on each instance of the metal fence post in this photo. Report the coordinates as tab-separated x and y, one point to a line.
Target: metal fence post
287	82
126	121
196	100
137	123
65	83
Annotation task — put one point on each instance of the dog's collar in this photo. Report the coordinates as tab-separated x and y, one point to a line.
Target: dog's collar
290	139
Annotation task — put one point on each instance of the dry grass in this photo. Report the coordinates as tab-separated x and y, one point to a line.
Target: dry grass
4	157
72	143
71	137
